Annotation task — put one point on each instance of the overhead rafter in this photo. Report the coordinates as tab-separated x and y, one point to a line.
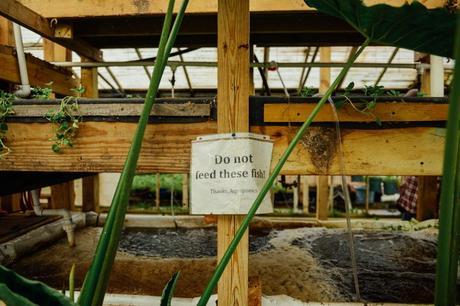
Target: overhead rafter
22	15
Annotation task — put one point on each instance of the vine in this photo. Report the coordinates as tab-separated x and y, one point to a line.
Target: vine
6	109
362	106
66	119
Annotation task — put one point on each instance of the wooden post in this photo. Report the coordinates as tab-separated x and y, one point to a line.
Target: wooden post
63	196
10	203
90	184
305	193
185	190
6	32
432	84
427	198
90	193
157	191
233	116
366	201
322	191
55	53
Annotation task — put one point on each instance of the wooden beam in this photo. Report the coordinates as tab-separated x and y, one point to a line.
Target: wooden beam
91	8
26	17
40	72
6	32
233	89
102	147
385	111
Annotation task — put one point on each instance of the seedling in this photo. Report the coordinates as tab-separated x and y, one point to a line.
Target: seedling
6	109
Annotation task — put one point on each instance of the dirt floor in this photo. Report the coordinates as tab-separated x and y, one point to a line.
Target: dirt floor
310	264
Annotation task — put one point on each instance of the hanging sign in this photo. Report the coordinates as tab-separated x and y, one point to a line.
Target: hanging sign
227	173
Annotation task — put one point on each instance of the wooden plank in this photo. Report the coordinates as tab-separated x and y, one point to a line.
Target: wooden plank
6	32
89	8
28	18
385	111
40	73
102	147
233	89
119	109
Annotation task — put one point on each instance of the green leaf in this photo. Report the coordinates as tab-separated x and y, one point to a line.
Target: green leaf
168	291
411	26
37	293
3	126
12	299
56	148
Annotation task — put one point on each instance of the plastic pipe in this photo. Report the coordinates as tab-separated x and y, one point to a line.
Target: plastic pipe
24	88
68	226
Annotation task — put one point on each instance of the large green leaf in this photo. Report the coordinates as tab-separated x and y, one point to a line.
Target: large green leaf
16	290
411	26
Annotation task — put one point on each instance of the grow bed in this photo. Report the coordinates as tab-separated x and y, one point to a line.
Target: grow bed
310	264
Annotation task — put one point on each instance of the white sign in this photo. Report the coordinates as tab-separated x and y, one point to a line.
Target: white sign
227	173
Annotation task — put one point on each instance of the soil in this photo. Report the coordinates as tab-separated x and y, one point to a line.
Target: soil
310	264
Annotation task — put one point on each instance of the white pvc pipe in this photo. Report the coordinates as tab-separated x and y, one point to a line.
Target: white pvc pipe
24	88
68	226
436	76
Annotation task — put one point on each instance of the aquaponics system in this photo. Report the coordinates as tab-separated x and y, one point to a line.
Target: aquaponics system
229	152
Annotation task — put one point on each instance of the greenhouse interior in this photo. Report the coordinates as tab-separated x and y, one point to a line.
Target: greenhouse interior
229	152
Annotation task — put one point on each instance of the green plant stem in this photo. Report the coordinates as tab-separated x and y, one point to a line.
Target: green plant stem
449	211
96	280
268	184
72	284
